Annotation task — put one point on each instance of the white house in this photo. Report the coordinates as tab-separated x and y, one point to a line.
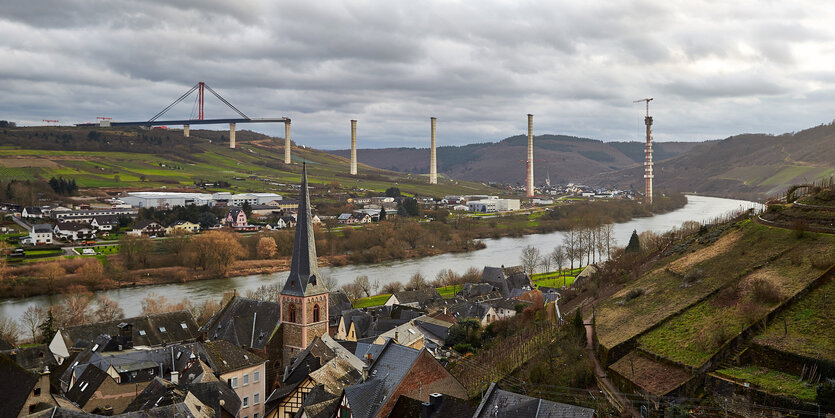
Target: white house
105	223
31	212
41	234
74	231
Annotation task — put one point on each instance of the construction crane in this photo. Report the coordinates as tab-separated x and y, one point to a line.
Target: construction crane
648	175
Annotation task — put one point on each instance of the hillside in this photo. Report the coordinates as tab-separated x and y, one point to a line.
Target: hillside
134	158
564	158
750	165
737	304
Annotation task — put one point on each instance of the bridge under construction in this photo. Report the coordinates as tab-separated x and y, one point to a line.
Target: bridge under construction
201	87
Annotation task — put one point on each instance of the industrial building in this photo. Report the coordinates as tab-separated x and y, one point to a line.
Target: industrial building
493	205
171	199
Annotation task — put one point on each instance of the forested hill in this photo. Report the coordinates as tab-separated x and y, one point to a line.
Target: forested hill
564	158
749	165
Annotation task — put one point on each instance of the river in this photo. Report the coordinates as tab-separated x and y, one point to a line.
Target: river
499	251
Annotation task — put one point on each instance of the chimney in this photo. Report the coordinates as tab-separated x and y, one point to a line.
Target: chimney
353	147
431	408
433	160
175	377
530	185
365	371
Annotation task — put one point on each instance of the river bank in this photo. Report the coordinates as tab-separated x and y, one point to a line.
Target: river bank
496	252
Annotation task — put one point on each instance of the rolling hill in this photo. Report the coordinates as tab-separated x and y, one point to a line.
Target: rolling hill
564	158
749	165
134	159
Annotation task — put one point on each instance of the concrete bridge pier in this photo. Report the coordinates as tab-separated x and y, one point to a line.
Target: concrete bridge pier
232	135
353	147
287	142
185	130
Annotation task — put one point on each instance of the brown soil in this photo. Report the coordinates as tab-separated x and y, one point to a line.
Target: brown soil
655	377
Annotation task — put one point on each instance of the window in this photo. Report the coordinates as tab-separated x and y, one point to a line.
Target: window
292	312
234	382
256	398
161	329
246	401
37	391
246	379
256	377
142	332
315	313
183	325
255	415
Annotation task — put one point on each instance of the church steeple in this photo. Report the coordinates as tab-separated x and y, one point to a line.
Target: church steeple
304	279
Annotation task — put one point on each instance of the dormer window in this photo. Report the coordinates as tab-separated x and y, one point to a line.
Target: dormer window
313	280
183	325
161	329
142	332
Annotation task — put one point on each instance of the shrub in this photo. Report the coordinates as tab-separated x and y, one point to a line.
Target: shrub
822	261
764	292
727	297
463	348
799	227
693	276
633	294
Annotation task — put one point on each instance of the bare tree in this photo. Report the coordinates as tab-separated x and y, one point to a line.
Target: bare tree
545	262
32	319
530	259
108	309
353	291
75	308
609	239
364	284
392	287
329	282
570	244
558	257
9	331
51	272
215	251
266	247
416	282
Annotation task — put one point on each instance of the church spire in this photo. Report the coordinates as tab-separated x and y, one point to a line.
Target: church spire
304	277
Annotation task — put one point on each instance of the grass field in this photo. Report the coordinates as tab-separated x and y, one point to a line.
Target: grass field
449	291
664	292
692	337
371	301
253	166
771	381
555	278
807	328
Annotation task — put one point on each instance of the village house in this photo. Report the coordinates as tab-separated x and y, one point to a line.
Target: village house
479	311
354	218
105	223
41	234
243	371
407	334
144	331
184	226
396	370
22	392
147	228
236	219
162	398
74	231
31	212
438	406
416	298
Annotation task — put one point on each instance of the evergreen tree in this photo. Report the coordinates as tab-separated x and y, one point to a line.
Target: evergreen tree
634	245
393	192
47	328
247	208
382	214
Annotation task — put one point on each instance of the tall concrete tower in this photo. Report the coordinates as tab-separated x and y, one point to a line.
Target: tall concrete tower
433	159
287	142
530	185
353	147
648	176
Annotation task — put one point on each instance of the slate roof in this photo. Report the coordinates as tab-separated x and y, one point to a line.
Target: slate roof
159	392
420	296
470	290
211	393
469	310
147	330
107	220
42	228
500	403
225	357
436	327
319	404
445	406
33	358
245	322
146	223
304	270
86	385
337	303
319	352
73	226
384	376
15	385
338	373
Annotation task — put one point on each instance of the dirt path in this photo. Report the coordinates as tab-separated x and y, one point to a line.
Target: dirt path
600	374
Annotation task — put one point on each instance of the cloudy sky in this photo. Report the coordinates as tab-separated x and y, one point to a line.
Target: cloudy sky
715	68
